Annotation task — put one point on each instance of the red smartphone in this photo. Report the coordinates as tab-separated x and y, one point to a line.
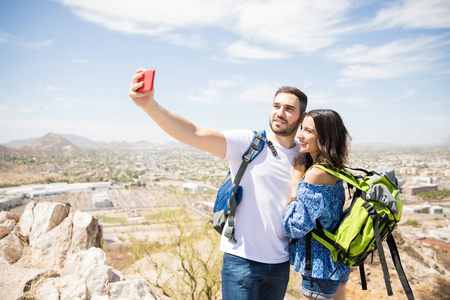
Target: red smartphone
148	77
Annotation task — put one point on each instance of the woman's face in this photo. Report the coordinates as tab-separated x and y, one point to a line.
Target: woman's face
308	138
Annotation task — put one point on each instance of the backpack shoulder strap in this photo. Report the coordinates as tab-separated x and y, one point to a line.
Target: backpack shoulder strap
255	147
398	266
318	230
343	174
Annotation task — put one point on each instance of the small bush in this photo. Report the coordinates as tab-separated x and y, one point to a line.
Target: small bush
412	223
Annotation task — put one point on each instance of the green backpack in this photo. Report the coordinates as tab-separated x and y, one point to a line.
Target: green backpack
372	216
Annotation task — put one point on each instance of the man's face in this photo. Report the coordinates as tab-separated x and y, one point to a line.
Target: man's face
285	114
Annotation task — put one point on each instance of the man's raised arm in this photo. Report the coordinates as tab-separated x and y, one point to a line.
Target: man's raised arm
177	127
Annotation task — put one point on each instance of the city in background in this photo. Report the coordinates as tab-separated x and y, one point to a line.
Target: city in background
136	178
134	188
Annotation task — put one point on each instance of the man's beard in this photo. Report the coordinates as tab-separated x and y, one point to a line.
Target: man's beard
289	130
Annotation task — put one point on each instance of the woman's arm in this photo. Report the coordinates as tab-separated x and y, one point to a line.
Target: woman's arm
300	217
298	168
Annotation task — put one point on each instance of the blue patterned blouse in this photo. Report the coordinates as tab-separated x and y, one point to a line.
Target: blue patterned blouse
323	202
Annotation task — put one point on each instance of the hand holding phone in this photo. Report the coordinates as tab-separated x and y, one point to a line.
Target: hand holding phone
147	77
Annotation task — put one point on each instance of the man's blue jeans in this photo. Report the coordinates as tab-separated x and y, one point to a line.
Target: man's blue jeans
244	279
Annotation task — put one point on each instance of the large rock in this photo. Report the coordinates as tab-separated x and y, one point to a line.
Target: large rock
8	221
54	253
12	247
131	289
87	232
54	234
50	250
14	279
39	218
87	276
89	267
26	220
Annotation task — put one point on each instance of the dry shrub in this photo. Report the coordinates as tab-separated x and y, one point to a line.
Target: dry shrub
119	258
440	289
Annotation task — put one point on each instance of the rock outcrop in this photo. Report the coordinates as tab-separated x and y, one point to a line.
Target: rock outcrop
51	252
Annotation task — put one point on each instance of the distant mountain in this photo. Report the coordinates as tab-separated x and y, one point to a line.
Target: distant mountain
81	141
51	144
8	151
86	143
20	143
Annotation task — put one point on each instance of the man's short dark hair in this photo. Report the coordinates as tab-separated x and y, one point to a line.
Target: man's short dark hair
299	94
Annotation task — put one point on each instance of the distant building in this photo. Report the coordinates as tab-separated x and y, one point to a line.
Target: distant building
416	209
41	190
101	200
8	202
421	180
197	188
422	209
416	189
407	171
436	210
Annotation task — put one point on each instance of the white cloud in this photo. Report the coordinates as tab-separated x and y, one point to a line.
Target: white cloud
392	60
234	81
257	93
408	94
207	95
19	41
173	21
320	100
304	26
67	102
241	49
389	52
428	14
216	90
283	24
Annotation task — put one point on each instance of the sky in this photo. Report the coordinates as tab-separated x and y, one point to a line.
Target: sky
66	65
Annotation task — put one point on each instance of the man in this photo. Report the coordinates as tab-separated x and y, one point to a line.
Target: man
257	265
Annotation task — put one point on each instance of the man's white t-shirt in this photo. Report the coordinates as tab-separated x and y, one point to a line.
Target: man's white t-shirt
266	188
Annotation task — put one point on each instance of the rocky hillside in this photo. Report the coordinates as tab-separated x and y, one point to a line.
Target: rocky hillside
51	252
426	273
51	144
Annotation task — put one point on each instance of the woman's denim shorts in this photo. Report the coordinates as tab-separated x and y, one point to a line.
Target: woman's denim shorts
322	288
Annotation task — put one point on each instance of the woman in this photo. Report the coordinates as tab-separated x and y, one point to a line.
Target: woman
318	196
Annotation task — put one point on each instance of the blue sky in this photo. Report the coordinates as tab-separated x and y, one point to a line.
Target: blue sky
66	65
